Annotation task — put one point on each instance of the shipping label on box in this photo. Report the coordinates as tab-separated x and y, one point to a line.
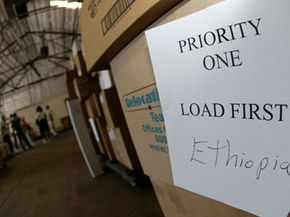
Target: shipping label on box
146	100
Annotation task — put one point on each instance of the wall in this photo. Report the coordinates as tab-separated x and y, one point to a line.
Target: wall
32	95
57	105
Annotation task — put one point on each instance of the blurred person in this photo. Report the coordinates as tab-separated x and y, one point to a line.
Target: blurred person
50	121
16	125
6	134
42	123
13	132
26	129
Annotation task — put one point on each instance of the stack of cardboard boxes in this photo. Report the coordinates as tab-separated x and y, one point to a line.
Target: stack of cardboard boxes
104	36
80	84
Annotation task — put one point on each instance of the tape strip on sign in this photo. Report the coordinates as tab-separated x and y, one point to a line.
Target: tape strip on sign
223	80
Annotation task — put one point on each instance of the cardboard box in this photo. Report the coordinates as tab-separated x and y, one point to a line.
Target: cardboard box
96	133
70	75
80	64
135	83
111	106
93	106
104	137
175	201
78	59
84	86
107	26
71	89
123	148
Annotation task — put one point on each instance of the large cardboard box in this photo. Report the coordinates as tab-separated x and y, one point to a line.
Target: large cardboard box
93	106
175	202
104	137
71	89
81	87
135	82
96	132
84	86
78	58
107	26
111	106
123	148
70	75
80	64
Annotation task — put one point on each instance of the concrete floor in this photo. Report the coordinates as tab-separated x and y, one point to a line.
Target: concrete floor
52	181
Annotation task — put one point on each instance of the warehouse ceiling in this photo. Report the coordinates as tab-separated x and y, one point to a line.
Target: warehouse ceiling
35	42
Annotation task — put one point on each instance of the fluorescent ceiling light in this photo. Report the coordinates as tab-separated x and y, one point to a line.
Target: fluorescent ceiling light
66	4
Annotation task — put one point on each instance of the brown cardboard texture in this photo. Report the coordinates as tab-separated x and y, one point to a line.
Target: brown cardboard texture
111	106
135	83
93	106
107	26
80	64
81	87
70	75
71	89
175	201
104	137
123	148
99	141
85	86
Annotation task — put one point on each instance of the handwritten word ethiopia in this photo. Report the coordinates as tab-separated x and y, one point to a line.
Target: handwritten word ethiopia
237	31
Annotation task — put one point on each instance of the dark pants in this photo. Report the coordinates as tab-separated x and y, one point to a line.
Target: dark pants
22	138
7	139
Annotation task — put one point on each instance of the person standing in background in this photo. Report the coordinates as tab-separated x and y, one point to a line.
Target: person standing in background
16	125
26	129
6	134
42	124
13	132
49	116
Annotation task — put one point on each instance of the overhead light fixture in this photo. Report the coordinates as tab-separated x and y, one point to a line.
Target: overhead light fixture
66	4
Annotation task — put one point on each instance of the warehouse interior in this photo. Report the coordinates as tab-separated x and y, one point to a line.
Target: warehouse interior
82	128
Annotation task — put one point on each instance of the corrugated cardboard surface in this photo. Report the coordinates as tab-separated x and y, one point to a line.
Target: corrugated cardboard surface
105	139
175	202
70	75
123	148
111	106
80	64
71	89
93	106
133	76
107	26
98	141
81	85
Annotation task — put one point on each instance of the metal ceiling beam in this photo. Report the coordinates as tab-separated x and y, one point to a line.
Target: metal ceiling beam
53	42
55	33
39	32
12	43
12	76
22	77
35	69
33	83
1	80
58	64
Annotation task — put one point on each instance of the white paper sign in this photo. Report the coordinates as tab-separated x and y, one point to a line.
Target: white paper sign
223	77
